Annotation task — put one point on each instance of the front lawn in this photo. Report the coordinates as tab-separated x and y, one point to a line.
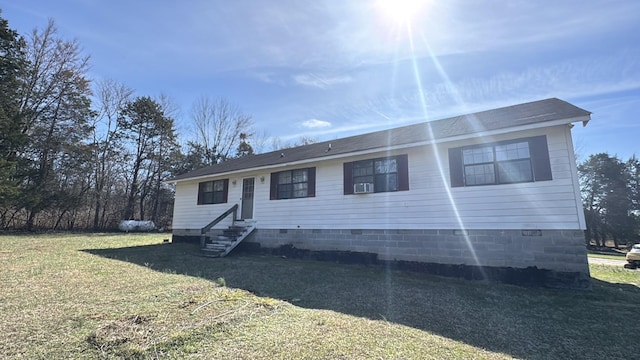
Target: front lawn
131	296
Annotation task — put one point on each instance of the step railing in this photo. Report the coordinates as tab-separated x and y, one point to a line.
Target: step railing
233	210
245	233
222	247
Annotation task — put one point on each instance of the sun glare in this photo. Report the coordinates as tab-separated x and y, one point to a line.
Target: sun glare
401	11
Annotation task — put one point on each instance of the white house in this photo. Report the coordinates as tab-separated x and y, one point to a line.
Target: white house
490	194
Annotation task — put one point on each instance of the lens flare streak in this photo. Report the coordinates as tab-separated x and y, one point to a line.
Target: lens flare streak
434	146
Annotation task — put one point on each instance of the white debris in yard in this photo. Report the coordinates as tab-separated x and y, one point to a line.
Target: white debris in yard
136	225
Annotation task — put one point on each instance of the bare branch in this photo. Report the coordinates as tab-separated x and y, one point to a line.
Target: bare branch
217	127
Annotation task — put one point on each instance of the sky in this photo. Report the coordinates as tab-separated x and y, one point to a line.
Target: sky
327	69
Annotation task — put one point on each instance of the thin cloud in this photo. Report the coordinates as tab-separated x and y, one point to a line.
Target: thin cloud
269	78
315	124
320	81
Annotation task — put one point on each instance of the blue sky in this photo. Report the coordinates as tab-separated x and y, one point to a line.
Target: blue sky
332	68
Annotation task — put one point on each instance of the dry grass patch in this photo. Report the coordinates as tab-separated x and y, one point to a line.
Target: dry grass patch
130	296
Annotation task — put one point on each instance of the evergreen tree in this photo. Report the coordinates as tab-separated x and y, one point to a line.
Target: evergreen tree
607	199
244	148
148	134
12	138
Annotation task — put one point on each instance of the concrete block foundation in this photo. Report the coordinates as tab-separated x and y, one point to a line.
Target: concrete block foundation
551	258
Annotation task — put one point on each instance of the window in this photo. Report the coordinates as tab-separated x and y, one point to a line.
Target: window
291	184
386	174
497	164
521	160
213	192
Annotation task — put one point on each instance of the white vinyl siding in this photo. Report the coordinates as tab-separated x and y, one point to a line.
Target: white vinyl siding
429	204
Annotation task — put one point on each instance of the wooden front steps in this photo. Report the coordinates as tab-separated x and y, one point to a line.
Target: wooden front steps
219	243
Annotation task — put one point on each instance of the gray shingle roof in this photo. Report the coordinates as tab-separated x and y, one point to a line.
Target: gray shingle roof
506	117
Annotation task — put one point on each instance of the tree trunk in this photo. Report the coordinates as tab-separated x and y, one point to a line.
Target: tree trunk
31	219
142	208
131	199
96	213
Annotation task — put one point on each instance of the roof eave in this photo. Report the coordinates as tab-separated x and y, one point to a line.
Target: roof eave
584	119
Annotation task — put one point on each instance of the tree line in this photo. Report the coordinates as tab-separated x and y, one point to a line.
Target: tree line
77	154
611	199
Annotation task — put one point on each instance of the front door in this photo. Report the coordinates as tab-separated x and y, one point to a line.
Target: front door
247	198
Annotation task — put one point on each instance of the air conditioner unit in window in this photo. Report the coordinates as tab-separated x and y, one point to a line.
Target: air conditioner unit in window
362	188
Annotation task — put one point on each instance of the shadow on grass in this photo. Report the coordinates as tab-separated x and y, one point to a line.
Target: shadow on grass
521	322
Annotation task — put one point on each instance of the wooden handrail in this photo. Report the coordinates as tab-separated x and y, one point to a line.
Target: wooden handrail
234	210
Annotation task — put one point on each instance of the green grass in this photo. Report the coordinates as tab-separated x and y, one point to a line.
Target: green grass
616	275
130	296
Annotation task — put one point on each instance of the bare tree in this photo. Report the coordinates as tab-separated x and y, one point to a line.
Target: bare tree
111	98
56	109
217	128
168	105
277	143
259	141
305	140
